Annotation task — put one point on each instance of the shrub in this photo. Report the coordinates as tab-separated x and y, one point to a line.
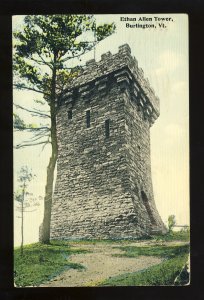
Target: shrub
182	235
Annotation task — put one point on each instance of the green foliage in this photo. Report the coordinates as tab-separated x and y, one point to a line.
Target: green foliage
25	176
50	41
18	123
183	277
42	50
42	262
157	250
21	195
104	31
39	101
171	222
162	274
182	235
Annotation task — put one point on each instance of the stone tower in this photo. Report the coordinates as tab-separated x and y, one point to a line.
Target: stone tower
104	186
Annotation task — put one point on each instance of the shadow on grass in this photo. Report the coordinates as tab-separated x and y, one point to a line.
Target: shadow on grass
159	275
156	250
41	263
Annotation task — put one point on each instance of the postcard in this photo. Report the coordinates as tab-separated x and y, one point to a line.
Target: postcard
101	150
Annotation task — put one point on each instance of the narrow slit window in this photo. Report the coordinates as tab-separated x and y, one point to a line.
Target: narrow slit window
69	114
88	118
107	128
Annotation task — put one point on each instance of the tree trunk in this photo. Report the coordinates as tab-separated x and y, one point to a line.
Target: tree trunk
45	237
22	211
45	233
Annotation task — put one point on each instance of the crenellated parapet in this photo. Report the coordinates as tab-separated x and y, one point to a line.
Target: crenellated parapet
103	187
121	68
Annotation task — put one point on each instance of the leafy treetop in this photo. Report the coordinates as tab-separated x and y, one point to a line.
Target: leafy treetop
51	41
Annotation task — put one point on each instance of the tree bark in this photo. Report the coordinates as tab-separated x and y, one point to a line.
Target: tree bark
22	220
45	237
45	234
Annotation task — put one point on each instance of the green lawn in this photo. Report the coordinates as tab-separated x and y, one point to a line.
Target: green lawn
42	262
182	235
162	274
156	250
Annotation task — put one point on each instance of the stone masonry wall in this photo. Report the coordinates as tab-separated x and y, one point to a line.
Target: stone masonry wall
139	163
103	187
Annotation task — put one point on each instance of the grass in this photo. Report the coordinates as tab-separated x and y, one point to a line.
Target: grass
42	262
156	250
174	236
101	241
182	235
162	274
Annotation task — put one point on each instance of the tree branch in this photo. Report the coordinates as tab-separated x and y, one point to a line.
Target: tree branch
46	63
39	134
37	61
20	86
43	147
44	129
75	56
41	112
29	144
34	139
19	210
34	111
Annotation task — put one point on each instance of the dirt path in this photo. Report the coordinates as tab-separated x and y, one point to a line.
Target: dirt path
99	265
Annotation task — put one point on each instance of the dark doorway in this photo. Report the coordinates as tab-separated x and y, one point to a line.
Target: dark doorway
148	208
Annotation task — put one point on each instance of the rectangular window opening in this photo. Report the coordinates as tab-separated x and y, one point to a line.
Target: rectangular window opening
88	119
107	128
70	114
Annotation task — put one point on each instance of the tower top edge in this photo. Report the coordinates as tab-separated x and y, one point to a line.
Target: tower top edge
110	63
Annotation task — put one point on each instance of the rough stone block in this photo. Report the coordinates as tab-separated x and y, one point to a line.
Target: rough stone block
104	186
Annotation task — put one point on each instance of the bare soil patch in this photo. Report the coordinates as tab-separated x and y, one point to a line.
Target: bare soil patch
99	265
